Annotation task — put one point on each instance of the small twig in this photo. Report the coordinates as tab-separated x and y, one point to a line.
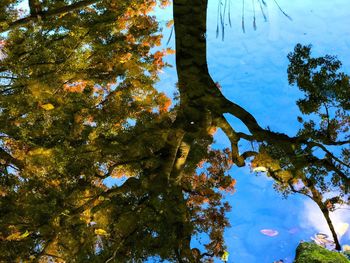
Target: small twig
286	15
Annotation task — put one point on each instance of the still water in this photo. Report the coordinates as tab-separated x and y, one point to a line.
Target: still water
251	67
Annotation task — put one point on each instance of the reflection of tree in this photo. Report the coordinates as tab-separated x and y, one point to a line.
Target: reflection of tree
325	179
79	106
286	159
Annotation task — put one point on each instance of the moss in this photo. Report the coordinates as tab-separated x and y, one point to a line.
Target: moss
312	253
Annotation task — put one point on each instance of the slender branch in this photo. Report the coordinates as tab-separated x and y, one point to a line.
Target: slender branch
114	253
126	162
315	144
206	254
47	14
10	159
328	124
131	183
339	143
245	136
248	154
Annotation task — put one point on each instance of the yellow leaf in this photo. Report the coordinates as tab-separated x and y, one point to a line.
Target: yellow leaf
169	23
25	234
40	151
93	135
47	106
101	232
260	169
14	236
62	15
126	57
224	256
170	51
17	236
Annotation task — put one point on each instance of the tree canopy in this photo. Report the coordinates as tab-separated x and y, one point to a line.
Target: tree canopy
78	104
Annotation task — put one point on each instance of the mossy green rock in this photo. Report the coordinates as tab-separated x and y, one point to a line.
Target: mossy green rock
312	253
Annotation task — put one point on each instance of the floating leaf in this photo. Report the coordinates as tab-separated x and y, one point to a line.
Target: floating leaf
260	169
101	232
47	106
170	23
269	232
17	236
40	152
170	51
25	234
224	256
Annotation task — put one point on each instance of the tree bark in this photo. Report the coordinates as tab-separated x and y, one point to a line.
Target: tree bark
325	213
317	198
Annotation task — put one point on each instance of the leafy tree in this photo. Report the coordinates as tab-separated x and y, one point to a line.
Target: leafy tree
73	82
324	178
78	105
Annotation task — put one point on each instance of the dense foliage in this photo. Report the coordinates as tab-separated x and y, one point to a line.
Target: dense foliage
78	106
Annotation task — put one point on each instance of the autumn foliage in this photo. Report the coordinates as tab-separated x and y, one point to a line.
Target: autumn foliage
78	108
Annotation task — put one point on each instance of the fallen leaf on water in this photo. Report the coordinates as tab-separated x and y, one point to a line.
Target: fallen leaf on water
260	169
269	232
101	232
47	106
224	256
17	236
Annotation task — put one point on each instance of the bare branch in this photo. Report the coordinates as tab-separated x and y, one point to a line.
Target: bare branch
315	144
47	14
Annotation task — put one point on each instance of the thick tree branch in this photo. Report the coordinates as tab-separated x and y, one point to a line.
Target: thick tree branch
175	139
251	123
179	164
233	137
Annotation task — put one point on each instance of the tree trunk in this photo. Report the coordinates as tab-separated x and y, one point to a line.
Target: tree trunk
325	213
317	198
195	83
